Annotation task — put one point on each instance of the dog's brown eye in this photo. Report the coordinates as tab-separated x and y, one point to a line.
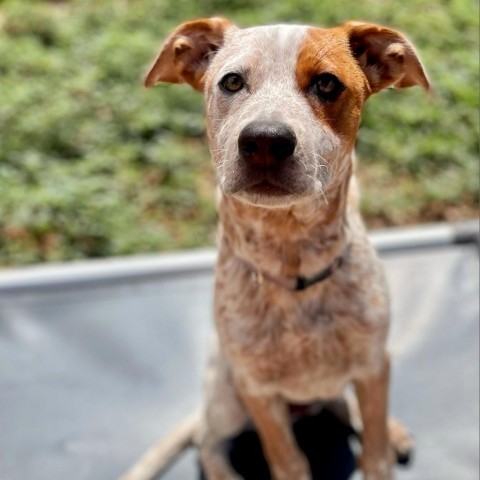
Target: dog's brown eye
328	87
232	82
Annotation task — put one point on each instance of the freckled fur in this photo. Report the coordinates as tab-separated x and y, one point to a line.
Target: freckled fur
274	346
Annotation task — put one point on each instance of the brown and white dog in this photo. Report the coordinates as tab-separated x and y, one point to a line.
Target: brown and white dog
301	305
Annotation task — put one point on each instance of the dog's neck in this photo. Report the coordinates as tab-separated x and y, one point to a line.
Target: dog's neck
291	241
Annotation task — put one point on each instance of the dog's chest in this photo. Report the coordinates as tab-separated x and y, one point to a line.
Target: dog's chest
302	346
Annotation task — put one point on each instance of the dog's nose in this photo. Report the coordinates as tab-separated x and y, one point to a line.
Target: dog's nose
266	144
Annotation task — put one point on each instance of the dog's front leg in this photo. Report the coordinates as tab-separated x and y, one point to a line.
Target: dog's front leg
223	418
372	394
272	419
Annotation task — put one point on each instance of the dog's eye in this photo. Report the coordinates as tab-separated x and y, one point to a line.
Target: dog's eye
232	82
328	87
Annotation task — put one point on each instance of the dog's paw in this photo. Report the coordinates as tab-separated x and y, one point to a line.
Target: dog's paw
401	441
297	468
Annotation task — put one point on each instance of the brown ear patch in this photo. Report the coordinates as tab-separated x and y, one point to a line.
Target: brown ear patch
187	52
386	57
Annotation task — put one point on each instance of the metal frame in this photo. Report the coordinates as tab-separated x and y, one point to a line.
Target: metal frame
142	267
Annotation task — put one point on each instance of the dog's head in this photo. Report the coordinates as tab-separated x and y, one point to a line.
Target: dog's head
284	102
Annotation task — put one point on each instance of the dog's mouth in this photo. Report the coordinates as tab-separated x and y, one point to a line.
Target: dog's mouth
283	185
267	193
268	189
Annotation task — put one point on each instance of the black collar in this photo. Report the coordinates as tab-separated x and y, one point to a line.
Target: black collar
296	284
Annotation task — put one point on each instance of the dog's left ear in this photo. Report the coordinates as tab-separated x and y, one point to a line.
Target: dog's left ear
386	57
186	54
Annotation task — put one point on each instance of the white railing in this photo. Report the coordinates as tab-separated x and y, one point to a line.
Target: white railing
141	267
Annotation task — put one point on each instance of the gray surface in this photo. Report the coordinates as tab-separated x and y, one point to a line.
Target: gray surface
89	378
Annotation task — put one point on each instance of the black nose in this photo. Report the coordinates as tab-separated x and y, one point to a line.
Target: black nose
266	144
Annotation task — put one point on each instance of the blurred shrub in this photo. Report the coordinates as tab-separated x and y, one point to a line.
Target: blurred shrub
92	164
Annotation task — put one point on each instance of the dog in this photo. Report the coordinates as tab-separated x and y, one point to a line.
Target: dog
301	305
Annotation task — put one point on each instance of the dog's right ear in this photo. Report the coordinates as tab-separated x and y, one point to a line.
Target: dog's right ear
186	54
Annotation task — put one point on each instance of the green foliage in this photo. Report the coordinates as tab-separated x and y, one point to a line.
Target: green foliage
92	164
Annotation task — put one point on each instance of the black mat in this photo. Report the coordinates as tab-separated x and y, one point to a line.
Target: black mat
323	439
